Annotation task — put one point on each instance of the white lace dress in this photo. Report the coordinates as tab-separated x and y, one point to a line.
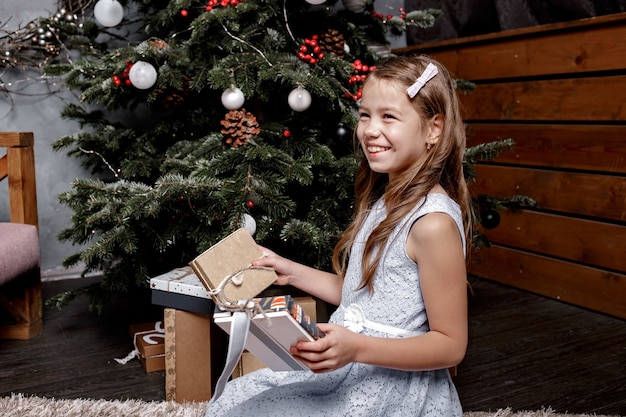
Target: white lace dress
396	309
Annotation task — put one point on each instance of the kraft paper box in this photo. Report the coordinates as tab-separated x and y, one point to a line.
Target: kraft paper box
230	257
250	363
194	355
149	340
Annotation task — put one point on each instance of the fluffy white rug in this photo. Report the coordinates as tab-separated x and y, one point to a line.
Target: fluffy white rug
19	405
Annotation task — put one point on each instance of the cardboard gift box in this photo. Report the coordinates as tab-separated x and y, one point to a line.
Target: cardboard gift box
149	341
247	363
225	268
194	355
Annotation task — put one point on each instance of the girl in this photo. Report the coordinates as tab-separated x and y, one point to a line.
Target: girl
400	281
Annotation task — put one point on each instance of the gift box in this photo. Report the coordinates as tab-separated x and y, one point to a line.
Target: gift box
181	289
194	355
250	363
271	334
149	342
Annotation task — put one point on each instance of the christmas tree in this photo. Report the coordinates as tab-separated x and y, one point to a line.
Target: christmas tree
200	117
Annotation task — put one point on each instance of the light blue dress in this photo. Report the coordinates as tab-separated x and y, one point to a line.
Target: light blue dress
395	309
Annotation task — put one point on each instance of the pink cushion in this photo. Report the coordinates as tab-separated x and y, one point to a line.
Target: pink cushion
19	250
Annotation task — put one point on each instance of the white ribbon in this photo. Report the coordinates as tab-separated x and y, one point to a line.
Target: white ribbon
354	319
123	361
427	75
239	328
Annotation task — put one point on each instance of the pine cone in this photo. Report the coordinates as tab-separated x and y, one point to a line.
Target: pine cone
158	45
173	97
239	126
171	100
332	41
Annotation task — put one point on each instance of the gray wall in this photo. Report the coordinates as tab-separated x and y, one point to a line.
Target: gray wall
37	110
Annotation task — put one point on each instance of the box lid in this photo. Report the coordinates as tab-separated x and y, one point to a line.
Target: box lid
180	280
148	338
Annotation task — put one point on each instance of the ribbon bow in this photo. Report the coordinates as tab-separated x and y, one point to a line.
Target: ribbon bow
354	318
427	75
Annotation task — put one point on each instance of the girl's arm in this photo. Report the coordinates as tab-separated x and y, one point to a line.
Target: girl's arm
435	244
323	285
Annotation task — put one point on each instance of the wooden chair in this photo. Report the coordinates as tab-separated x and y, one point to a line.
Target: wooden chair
20	278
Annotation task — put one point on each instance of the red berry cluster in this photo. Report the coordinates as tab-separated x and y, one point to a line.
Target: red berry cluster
310	51
388	17
223	3
119	79
357	79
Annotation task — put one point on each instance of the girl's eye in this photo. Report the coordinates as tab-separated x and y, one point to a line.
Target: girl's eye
389	116
363	115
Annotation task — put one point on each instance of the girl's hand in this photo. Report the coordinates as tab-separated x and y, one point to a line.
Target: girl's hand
331	352
282	266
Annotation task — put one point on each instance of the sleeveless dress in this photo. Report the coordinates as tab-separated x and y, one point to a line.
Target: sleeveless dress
395	309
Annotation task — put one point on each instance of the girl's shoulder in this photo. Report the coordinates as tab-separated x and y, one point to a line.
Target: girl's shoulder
438	202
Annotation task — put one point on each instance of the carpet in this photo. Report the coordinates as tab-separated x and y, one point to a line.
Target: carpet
19	405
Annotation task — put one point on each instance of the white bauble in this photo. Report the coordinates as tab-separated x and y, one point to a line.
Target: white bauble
142	75
108	13
249	223
232	98
299	99
356	6
315	1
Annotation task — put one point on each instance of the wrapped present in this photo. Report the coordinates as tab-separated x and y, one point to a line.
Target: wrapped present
149	342
194	355
181	281
181	289
224	269
282	323
249	363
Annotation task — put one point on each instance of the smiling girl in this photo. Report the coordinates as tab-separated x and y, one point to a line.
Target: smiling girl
399	276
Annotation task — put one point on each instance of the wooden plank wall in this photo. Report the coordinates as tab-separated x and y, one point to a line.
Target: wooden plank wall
559	91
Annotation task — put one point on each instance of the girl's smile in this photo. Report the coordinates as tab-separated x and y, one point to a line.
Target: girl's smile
376	149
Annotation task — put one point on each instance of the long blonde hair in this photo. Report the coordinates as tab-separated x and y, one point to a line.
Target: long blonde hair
443	164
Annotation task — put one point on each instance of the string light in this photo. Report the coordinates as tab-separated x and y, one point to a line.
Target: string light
36	44
115	172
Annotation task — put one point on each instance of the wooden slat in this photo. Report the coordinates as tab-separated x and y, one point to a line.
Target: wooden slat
582	99
588	287
587	242
595	50
13	139
22	185
574	47
600	196
3	167
19	166
583	147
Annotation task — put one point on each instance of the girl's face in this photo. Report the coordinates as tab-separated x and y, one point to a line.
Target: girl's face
390	130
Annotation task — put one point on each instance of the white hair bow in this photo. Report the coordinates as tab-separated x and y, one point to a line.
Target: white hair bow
427	75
